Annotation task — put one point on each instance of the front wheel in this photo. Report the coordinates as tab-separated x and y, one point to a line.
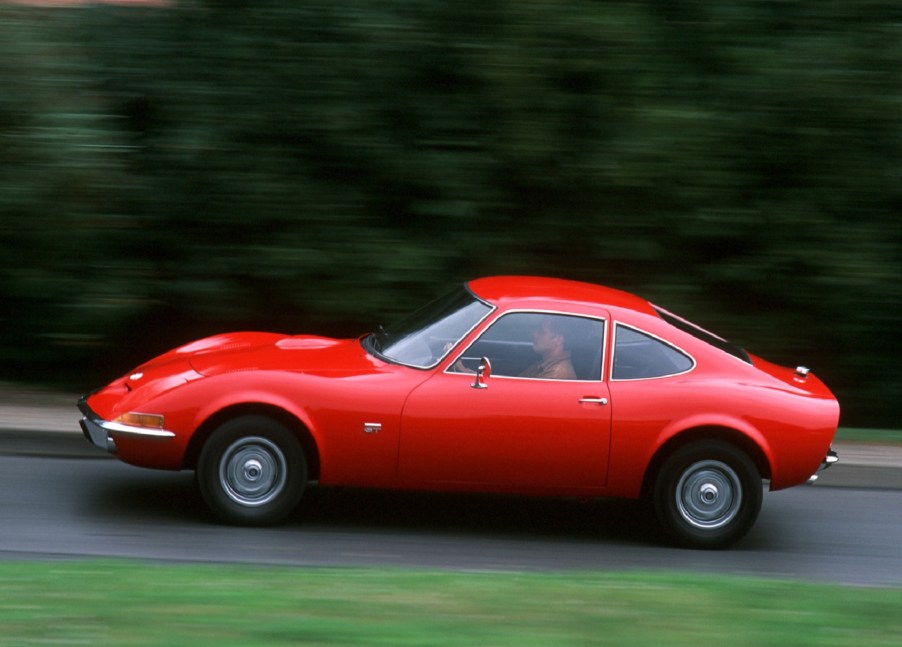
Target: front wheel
252	471
708	494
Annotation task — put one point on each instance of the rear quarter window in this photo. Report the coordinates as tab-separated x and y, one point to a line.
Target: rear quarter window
640	356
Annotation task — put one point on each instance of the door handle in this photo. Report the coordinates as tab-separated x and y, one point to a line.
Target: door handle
601	401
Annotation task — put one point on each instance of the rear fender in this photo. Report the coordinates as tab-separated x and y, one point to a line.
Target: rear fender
735	431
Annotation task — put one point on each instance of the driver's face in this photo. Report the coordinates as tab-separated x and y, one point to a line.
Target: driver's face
543	339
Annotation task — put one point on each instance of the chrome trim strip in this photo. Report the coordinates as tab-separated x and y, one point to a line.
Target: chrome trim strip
529	379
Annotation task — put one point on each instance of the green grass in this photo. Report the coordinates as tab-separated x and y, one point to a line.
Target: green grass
862	435
125	603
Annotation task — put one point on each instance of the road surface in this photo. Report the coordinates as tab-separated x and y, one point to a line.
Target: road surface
82	503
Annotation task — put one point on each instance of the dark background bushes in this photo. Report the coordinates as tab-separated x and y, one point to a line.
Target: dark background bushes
323	166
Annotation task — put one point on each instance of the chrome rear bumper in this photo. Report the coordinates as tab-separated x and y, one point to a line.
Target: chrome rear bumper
830	459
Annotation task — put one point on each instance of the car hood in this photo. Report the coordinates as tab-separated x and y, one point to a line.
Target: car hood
254	351
230	353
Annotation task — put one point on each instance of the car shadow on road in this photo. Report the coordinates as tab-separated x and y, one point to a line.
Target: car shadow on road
159	497
145	496
478	514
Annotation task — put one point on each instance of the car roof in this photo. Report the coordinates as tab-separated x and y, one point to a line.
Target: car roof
498	289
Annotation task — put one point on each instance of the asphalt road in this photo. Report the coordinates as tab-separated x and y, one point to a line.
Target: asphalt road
81	503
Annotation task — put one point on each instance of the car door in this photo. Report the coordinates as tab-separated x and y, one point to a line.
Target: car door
517	434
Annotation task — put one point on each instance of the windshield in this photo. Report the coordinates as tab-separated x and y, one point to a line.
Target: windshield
423	338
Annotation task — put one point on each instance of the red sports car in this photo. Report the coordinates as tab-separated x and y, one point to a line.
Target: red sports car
509	384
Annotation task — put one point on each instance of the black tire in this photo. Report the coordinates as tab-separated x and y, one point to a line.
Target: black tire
252	471
707	494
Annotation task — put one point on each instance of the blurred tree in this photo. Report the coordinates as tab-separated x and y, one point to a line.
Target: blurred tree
326	165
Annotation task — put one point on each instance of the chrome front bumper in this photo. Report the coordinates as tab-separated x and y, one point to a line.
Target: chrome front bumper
830	459
91	427
99	431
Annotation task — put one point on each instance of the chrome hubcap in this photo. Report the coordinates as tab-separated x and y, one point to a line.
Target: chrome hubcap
253	471
709	494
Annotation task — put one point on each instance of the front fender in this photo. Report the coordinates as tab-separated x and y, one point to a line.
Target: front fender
259	395
190	408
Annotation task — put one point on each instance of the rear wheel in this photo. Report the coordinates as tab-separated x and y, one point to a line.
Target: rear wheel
708	494
252	471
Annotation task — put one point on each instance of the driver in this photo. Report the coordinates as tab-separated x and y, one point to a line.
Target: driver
550	340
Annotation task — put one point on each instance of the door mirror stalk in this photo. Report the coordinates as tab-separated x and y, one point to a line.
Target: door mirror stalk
483	371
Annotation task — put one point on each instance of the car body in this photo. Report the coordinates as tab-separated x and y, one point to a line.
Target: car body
453	399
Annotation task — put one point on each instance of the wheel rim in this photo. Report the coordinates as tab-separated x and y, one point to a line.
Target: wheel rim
253	471
709	494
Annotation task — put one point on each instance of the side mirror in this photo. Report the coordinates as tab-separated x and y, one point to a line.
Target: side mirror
483	371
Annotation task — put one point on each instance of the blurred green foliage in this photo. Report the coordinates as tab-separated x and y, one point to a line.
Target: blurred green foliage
325	165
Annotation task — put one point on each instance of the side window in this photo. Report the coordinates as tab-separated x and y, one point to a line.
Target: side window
639	356
540	345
